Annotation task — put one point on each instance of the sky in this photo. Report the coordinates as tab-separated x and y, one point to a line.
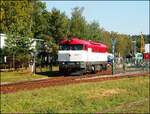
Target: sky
127	17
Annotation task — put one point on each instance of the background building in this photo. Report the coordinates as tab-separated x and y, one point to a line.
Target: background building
2	40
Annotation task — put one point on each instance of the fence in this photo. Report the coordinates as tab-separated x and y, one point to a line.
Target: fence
129	65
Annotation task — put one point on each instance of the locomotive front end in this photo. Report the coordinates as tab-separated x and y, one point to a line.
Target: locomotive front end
71	57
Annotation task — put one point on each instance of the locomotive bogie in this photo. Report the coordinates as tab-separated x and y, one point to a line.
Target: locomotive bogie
92	67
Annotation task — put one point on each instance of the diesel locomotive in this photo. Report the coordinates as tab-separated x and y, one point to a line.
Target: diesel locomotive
82	56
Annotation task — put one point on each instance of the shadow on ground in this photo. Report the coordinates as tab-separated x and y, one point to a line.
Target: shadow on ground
49	73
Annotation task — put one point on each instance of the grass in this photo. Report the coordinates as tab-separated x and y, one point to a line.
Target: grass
25	75
140	106
18	76
130	95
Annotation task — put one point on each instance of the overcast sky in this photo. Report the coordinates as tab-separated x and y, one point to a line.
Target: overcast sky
128	17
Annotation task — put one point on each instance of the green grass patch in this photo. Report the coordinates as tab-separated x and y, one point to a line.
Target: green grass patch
19	76
124	95
16	76
139	106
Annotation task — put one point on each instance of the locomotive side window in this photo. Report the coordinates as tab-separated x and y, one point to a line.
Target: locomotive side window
64	47
71	47
76	47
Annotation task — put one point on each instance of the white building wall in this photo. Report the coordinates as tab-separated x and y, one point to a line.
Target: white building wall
147	48
2	40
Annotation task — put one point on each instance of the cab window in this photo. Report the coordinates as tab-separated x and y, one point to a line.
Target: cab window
64	47
76	47
71	47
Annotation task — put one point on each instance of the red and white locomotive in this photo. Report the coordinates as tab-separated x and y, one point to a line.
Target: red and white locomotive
81	56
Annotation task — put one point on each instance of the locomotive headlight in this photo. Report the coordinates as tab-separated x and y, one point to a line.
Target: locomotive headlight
82	64
77	63
62	63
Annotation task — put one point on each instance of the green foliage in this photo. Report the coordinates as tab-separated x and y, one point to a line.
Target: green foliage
58	25
94	32
39	19
77	23
123	45
106	37
15	17
18	45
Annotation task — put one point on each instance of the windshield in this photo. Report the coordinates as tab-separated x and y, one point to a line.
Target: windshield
71	47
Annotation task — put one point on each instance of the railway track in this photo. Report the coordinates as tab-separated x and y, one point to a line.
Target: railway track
63	80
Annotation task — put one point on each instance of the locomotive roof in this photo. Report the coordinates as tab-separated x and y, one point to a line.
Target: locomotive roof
75	40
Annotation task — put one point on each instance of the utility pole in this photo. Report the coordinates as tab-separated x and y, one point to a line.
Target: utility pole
14	61
34	64
134	50
34	54
113	52
134	47
14	53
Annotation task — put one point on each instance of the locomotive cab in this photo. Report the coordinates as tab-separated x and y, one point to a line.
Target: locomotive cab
70	57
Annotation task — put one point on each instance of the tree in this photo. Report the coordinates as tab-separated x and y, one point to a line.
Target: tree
123	43
39	19
106	36
18	48
58	25
94	32
78	23
15	17
15	23
18	23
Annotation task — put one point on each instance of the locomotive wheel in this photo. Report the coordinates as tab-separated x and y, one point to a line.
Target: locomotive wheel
93	69
82	72
101	67
104	67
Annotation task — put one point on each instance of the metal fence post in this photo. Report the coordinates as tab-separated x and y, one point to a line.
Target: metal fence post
113	52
